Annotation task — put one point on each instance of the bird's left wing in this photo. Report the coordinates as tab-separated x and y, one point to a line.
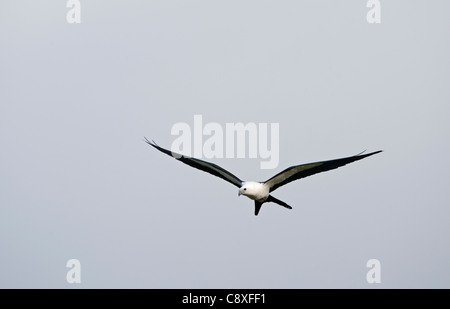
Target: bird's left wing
301	171
201	165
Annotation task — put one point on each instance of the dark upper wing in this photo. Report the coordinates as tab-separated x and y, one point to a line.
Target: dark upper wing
201	165
301	171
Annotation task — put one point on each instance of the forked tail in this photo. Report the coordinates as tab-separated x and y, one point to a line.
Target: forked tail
277	201
269	199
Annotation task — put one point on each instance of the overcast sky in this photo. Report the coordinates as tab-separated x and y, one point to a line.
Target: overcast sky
77	181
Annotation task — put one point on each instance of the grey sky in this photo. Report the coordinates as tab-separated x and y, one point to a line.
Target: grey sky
78	182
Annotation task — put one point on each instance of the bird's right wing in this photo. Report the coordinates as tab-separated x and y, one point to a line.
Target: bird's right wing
201	165
301	171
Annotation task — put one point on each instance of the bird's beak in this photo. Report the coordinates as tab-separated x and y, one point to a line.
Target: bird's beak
239	193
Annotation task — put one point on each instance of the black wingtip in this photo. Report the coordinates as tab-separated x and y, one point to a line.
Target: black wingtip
369	154
152	143
147	141
361	152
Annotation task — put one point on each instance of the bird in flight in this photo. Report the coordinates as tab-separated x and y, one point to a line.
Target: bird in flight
260	191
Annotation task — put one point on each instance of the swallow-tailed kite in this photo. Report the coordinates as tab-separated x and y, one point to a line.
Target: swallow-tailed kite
260	191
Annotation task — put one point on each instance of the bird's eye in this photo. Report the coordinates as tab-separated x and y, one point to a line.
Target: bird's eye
245	189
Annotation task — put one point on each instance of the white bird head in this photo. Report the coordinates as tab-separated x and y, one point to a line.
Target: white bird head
242	191
250	189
